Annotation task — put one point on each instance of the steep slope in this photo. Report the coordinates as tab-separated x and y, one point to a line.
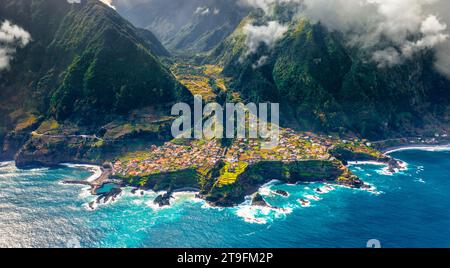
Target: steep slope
152	41
186	25
325	86
85	66
85	60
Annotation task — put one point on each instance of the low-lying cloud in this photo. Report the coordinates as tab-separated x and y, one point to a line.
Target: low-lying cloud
267	34
107	2
263	34
395	30
11	37
266	5
392	31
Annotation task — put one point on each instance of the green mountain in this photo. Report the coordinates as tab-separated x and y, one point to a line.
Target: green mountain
85	61
86	67
185	25
323	85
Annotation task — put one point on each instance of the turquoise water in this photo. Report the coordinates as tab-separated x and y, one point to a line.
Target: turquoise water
408	209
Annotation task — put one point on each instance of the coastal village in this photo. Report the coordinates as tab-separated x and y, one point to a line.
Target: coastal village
203	155
170	157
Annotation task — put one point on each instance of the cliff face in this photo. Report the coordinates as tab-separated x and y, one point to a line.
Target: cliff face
347	154
188	178
52	147
248	182
261	173
50	151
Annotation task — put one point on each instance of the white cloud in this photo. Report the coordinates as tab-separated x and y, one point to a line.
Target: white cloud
267	34
266	5
106	2
11	37
392	30
401	28
261	62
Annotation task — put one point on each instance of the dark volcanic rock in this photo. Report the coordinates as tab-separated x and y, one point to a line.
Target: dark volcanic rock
259	201
261	173
393	165
345	155
111	195
77	182
163	200
282	193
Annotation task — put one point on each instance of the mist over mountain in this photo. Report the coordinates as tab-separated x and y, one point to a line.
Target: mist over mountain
185	25
324	83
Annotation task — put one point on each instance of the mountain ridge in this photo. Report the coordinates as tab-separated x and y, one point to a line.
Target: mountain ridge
85	67
327	86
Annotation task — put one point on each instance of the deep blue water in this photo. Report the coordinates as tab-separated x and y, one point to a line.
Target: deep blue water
408	209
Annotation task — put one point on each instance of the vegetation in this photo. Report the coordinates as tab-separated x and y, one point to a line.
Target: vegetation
85	63
230	172
323	85
187	27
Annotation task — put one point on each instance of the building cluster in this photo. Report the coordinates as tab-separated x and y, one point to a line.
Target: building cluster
205	154
171	157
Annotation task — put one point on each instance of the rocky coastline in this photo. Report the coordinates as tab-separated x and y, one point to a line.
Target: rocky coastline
332	171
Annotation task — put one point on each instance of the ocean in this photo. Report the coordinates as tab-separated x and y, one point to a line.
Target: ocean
407	209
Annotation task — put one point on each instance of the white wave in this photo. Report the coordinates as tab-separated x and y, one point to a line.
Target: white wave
265	191
96	170
206	205
324	189
313	197
429	148
375	163
384	172
181	197
87	206
304	202
85	192
421	180
7	164
249	214
260	214
156	207
9	167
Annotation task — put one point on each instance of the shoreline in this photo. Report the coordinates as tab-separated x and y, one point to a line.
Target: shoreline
97	170
403	165
436	147
99	177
